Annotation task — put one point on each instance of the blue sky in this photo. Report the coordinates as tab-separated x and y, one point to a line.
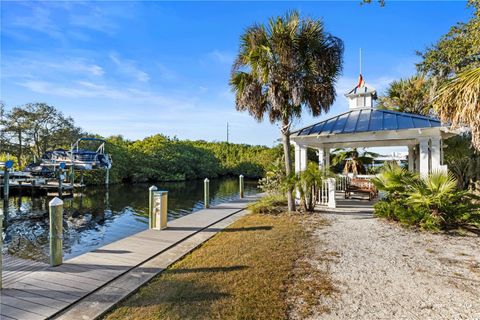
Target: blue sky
140	68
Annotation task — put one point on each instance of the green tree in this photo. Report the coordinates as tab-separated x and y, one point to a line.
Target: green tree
352	160
48	128
458	102
463	162
410	95
456	51
15	124
34	128
283	66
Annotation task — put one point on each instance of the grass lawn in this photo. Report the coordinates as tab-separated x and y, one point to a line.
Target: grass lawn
258	268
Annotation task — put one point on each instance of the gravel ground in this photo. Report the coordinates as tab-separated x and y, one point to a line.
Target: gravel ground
383	271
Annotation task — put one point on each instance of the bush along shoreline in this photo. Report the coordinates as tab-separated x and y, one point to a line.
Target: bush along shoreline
160	158
434	202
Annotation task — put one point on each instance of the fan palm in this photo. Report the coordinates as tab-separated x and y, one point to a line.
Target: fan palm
283	66
408	95
458	101
394	180
434	191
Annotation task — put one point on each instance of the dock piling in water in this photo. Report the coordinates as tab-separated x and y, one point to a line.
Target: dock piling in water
56	231
241	186
6	180
206	193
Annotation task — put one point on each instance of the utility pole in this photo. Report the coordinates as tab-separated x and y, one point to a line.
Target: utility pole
227	132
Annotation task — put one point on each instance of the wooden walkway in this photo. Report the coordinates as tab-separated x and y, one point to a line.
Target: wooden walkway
56	291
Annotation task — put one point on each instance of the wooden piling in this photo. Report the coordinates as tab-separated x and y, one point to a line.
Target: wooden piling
6	182
56	231
60	183
206	193
241	186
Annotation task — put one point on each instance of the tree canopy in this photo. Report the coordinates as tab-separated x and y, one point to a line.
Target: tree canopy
408	95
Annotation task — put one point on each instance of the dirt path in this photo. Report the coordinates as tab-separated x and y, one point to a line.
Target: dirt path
383	271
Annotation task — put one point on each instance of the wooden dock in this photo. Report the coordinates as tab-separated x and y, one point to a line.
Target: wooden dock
86	286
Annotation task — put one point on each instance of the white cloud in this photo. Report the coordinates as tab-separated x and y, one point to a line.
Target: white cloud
32	65
38	20
129	68
221	57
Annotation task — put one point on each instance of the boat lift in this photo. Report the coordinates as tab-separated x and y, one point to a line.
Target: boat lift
49	173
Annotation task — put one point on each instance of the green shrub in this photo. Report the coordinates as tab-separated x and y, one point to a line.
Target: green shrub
407	215
431	202
270	204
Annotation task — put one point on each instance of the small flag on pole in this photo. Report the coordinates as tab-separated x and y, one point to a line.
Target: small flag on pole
361	82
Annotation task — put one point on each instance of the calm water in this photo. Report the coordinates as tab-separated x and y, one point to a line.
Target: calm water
98	216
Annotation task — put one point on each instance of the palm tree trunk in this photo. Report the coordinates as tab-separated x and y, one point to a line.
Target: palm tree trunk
288	164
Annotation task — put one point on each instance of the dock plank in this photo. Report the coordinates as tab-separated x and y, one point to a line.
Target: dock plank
35	298
18	314
28	305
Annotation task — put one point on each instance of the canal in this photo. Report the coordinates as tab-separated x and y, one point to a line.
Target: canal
96	215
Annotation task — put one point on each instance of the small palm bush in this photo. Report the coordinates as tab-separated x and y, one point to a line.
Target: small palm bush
431	202
307	183
394	180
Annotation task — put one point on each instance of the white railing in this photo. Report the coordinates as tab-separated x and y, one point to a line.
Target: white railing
323	193
341	182
326	194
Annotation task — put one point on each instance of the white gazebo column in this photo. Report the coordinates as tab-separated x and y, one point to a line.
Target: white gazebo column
417	158
321	159
300	162
424	157
300	158
411	158
435	153
326	155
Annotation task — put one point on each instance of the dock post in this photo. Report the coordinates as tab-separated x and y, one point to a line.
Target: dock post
60	183
241	186
6	182
150	206
206	193
56	231
72	175
160	210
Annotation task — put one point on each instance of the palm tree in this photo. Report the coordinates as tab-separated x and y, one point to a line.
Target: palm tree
354	160
458	101
283	66
408	95
394	180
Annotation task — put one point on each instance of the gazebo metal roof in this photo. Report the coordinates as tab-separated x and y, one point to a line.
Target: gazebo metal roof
366	120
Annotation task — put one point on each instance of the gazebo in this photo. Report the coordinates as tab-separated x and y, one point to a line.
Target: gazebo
363	125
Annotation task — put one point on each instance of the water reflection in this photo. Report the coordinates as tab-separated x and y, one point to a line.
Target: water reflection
98	215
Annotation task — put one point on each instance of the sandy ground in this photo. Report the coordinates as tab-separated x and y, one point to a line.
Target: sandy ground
383	271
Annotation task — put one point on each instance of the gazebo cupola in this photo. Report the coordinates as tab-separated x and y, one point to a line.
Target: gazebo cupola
362	96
